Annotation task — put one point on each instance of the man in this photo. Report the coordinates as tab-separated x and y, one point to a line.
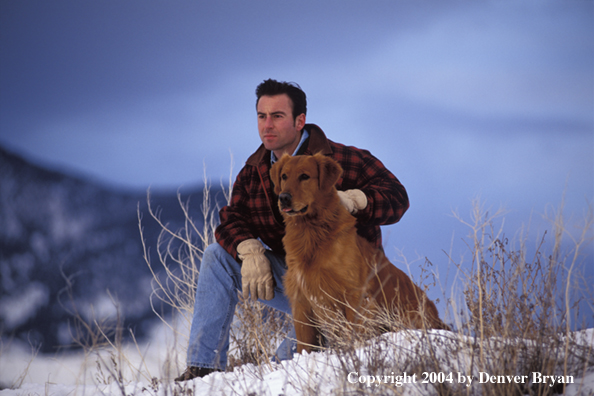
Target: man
249	254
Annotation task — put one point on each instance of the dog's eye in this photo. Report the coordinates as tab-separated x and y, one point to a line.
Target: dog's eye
284	176
303	177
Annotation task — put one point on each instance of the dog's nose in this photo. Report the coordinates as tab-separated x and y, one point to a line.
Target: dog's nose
285	200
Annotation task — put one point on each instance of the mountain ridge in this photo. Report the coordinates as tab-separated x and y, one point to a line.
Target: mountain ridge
70	245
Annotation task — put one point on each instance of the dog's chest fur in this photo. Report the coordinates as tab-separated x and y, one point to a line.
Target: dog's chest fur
311	247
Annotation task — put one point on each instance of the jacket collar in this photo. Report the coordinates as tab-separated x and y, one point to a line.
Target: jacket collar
318	143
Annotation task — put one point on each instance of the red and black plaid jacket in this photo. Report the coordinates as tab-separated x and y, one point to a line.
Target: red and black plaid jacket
253	210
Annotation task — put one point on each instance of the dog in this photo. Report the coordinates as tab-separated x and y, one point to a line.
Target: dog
329	266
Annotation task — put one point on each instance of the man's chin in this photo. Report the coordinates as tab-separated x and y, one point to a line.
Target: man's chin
270	142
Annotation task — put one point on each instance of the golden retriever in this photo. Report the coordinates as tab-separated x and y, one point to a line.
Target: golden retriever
328	264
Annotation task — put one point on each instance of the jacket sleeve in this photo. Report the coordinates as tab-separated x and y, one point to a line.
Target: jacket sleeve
387	200
235	217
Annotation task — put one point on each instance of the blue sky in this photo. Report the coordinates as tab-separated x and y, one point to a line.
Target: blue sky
459	99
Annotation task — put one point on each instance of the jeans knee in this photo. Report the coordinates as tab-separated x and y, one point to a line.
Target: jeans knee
214	250
216	254
220	265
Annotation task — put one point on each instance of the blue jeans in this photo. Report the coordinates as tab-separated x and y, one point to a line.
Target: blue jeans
216	297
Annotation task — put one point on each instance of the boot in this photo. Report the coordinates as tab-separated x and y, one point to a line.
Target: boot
195	372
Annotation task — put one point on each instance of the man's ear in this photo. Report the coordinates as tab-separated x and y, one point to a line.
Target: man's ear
275	173
329	171
299	121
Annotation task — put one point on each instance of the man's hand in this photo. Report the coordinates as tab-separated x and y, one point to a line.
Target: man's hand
256	275
353	200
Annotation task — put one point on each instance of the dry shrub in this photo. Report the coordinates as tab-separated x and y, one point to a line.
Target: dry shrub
518	309
257	332
101	339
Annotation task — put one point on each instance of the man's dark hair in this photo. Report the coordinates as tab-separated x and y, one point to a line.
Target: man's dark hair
272	87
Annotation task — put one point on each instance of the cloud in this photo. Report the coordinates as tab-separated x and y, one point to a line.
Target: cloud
486	61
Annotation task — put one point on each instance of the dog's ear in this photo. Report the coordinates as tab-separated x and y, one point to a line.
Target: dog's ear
329	171
275	173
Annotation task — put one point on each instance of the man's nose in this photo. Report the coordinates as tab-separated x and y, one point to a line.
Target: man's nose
268	122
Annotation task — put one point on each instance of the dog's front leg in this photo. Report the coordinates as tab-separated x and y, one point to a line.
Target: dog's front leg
307	334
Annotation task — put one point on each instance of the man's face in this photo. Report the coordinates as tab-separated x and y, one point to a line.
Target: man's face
279	132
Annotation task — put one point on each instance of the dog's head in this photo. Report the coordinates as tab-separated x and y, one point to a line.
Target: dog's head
302	181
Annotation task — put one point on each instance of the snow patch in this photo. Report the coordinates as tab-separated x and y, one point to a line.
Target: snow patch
315	373
17	309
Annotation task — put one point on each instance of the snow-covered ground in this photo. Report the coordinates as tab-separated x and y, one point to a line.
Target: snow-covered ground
316	373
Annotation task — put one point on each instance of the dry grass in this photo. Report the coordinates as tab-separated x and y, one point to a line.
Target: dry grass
517	304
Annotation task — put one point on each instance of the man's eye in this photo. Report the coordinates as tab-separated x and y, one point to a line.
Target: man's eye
303	177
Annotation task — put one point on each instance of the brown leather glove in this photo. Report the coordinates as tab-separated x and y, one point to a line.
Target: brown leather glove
256	275
353	200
